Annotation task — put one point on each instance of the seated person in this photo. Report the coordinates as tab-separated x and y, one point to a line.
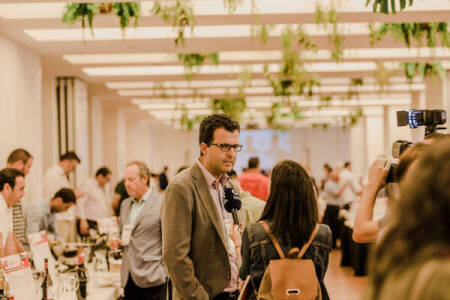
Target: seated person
40	215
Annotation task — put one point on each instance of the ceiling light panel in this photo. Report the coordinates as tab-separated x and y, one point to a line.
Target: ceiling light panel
181	84
155	32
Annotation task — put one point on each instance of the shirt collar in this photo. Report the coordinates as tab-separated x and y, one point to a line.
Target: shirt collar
210	179
60	170
145	198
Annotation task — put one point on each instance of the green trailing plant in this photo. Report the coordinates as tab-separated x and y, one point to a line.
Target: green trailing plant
187	122
261	31
383	76
83	12
245	77
431	32
234	107
126	11
179	15
283	120
328	19
293	78
353	118
412	69
232	5
383	5
193	61
353	90
320	125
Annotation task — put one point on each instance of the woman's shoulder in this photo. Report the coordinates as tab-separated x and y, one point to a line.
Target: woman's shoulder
323	236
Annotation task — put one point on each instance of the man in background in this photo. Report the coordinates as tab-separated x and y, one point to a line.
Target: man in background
253	181
95	204
21	160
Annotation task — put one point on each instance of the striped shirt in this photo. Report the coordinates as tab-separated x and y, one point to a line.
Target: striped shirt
19	224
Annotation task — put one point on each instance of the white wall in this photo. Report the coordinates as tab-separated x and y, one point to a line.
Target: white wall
21	108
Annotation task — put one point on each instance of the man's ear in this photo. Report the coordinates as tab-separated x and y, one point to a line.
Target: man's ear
203	148
7	188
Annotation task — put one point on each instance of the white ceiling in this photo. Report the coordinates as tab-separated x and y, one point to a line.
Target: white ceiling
128	70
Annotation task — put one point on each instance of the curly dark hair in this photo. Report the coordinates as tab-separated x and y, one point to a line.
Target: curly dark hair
291	207
213	122
420	226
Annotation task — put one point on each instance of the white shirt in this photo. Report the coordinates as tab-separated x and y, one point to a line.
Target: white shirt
349	194
6	224
331	189
96	202
54	180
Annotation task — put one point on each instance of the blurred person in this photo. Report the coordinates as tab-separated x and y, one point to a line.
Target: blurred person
327	171
12	189
95	204
366	229
40	214
57	176
163	180
182	168
197	249
252	207
253	181
292	217
21	160
143	275
346	177
120	194
412	259
333	195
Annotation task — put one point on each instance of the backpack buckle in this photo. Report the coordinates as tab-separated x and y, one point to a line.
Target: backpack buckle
292	292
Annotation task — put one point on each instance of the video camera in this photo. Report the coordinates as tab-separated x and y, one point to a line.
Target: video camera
414	118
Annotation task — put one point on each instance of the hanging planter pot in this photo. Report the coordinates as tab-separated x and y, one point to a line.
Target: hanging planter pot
105	8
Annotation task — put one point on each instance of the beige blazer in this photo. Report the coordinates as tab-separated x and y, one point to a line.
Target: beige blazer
194	241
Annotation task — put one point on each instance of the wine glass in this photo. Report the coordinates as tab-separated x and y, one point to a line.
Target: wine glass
68	284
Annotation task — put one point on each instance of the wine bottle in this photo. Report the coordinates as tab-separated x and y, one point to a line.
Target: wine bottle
47	283
82	279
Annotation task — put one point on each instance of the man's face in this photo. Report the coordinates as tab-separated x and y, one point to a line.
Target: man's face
61	206
102	180
135	185
73	165
27	166
217	161
13	195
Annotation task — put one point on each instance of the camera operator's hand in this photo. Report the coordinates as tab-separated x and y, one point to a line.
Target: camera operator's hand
377	174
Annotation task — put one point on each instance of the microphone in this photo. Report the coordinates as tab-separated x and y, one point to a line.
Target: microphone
233	204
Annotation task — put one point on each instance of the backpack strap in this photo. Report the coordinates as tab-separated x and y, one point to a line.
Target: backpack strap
311	238
274	240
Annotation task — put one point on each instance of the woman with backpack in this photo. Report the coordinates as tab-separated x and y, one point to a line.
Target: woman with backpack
291	218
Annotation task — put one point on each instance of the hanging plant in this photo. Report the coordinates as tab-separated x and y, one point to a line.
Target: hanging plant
234	107
423	69
329	21
180	16
261	31
283	121
353	118
232	5
245	77
383	5
193	61
432	32
353	90
83	12
127	11
187	122
383	76
293	78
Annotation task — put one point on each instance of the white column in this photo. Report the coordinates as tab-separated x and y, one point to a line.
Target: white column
96	130
21	115
81	128
374	133
358	150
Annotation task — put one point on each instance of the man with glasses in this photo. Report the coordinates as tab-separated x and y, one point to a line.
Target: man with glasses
197	250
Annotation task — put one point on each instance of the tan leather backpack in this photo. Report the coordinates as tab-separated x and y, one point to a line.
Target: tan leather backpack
291	278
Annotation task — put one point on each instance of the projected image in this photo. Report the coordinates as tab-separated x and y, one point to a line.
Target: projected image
270	146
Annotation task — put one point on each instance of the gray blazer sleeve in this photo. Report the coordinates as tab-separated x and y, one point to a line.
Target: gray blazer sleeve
176	218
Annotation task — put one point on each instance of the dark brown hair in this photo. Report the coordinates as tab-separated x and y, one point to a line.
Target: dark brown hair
8	176
253	162
291	208
213	122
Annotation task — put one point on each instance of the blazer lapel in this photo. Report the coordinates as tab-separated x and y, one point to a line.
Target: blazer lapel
205	197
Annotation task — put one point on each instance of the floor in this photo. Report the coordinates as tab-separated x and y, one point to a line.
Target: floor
340	282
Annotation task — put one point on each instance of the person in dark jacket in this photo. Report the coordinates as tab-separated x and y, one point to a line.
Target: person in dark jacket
292	214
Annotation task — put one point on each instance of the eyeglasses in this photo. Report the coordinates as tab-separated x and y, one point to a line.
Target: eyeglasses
227	147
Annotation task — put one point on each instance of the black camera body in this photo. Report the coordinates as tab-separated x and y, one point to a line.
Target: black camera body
414	118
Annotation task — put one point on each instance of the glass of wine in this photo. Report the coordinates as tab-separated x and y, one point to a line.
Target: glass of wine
68	284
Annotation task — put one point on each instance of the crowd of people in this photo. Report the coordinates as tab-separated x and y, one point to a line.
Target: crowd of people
179	240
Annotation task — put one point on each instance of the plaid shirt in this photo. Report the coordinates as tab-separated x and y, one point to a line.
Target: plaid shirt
19	224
